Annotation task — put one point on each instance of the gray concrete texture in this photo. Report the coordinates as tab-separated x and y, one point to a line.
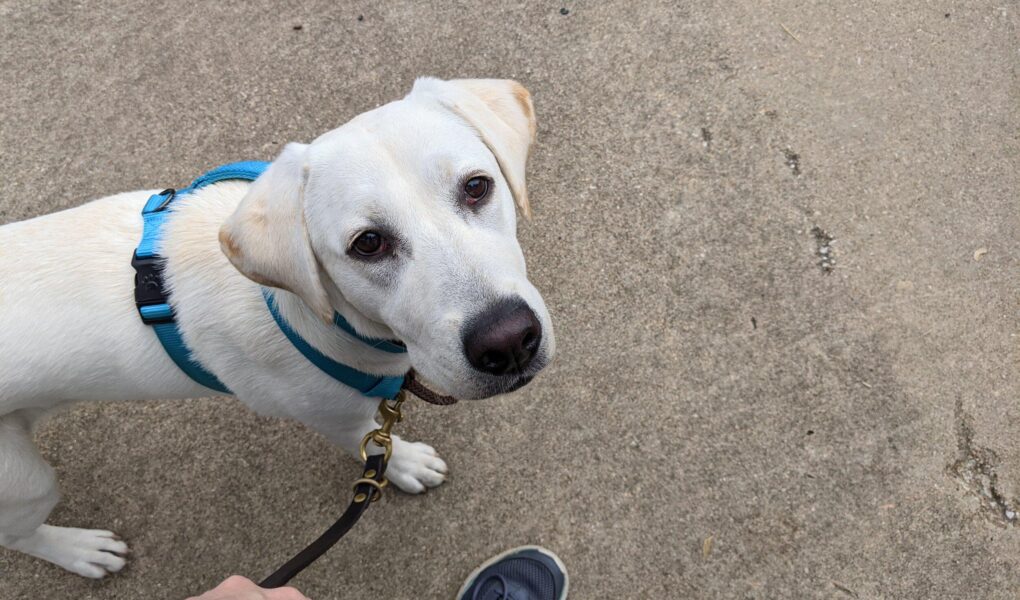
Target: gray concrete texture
778	238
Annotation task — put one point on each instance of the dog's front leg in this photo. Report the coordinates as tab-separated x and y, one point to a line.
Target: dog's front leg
413	467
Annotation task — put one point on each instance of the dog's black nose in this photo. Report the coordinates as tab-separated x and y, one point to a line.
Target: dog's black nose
504	338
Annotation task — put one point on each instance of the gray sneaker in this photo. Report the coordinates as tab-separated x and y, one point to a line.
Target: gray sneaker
525	573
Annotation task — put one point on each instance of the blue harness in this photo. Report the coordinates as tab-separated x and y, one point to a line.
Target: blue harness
152	299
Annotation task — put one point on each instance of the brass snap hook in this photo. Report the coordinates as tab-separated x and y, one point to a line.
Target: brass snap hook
382	437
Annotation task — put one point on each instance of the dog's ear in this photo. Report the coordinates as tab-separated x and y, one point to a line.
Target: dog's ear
266	237
500	110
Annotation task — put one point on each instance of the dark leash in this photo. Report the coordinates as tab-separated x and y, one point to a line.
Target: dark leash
368	488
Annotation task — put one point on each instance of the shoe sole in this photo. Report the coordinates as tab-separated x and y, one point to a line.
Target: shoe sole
474	574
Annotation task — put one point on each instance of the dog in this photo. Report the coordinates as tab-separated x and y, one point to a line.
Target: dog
402	220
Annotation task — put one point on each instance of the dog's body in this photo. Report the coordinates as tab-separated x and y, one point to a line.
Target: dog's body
70	331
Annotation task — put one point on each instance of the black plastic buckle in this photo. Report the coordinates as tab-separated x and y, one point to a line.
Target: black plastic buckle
149	286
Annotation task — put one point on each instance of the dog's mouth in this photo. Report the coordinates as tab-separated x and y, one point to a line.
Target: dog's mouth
490	389
506	385
479	386
523	381
516	385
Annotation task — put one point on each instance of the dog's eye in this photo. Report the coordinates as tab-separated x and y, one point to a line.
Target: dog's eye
476	189
370	243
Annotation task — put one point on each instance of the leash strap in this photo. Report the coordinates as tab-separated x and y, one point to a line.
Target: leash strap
364	494
366	490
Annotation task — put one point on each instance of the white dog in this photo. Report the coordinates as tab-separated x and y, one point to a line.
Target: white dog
401	220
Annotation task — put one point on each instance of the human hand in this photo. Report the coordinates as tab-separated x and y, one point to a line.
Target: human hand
236	587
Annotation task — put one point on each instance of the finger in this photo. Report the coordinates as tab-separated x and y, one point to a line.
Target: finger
236	583
285	593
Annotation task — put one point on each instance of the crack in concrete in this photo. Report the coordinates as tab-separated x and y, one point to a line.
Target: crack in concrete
975	469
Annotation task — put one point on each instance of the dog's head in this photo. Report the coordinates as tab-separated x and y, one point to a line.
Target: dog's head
403	220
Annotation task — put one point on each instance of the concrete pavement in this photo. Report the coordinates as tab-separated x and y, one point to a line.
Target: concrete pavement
778	240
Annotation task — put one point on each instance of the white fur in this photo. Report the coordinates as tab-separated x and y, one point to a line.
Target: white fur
70	332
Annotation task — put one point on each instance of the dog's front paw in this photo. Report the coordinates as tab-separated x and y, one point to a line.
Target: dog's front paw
415	466
90	552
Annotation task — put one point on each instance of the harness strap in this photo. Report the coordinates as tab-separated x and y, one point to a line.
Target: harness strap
385	345
170	336
373	386
150	289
